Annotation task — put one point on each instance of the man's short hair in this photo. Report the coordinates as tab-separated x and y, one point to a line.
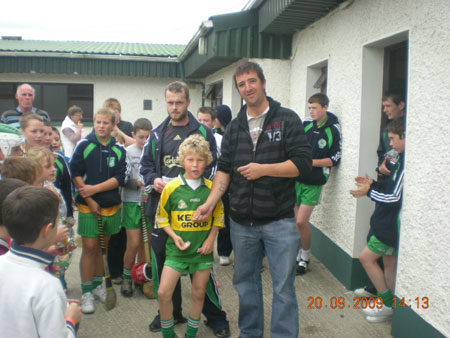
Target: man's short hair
107	112
397	126
195	144
25	120
19	88
142	124
397	95
75	110
22	168
178	87
27	210
8	185
208	110
247	67
319	98
113	104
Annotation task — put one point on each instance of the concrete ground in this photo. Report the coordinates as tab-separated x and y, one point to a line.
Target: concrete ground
131	316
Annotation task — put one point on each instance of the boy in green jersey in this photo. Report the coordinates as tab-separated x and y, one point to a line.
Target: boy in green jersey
189	248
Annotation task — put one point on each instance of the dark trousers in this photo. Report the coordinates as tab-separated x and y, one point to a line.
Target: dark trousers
224	246
212	308
116	250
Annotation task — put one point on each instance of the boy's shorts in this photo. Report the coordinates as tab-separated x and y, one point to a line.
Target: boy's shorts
307	194
188	268
131	216
378	247
88	224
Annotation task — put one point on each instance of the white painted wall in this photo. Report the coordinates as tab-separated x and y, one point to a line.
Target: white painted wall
351	39
130	91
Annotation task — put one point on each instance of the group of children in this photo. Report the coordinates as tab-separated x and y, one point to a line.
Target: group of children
99	165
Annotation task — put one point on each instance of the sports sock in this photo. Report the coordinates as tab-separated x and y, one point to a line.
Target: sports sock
386	296
86	287
126	274
96	281
167	328
192	327
299	255
306	254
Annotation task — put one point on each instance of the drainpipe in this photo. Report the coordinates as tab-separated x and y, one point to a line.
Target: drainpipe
192	82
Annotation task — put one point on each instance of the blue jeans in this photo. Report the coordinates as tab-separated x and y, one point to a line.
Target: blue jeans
281	242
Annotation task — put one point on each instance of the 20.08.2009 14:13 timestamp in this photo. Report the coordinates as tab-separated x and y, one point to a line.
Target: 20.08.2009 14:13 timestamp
363	303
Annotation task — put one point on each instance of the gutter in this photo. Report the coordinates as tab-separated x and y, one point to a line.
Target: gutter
119	57
204	28
193	82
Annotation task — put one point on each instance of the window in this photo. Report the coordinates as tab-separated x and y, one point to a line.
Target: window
316	80
55	98
214	93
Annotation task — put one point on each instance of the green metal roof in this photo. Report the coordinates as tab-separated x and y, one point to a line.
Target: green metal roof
232	37
88	66
288	16
91	48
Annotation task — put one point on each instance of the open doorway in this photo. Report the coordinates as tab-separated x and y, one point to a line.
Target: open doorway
395	72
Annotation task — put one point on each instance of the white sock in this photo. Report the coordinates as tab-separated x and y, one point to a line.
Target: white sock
299	255
305	254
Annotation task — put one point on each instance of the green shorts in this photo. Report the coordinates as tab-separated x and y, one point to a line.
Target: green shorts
131	216
88	224
378	247
188	268
307	194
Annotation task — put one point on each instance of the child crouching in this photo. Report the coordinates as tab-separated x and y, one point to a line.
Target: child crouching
189	248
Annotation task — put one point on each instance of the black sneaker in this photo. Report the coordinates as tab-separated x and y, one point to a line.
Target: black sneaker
155	325
221	329
302	267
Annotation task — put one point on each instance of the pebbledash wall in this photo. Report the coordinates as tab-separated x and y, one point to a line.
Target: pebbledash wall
130	91
350	41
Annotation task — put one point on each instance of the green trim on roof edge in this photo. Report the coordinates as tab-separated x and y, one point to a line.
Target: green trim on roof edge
49	65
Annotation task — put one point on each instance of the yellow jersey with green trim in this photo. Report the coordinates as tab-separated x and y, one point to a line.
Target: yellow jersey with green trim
176	208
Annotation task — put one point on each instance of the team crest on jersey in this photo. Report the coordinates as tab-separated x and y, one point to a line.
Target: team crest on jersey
322	143
182	204
177	138
111	161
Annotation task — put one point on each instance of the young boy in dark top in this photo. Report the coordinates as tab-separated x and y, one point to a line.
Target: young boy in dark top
384	226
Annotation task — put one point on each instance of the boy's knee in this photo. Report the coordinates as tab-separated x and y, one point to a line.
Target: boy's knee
198	293
164	295
90	249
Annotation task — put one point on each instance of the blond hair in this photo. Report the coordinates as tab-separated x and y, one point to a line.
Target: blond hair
41	155
113	104
107	112
195	144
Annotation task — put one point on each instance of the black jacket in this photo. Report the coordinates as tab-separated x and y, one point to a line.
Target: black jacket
266	199
388	195
97	163
325	143
150	167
